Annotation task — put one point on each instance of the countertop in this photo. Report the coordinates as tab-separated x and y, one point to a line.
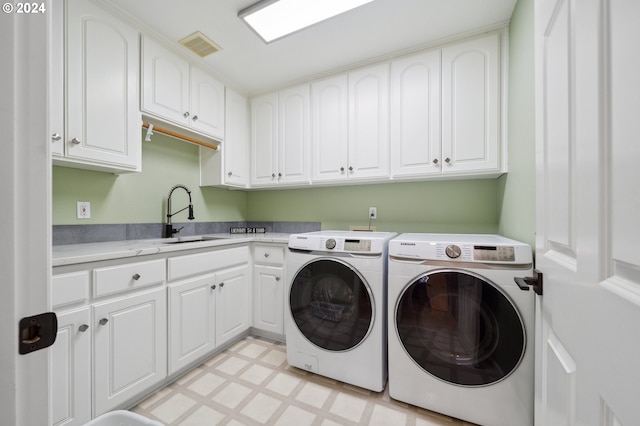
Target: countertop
93	252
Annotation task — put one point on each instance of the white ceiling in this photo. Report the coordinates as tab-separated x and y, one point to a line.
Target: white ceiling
373	31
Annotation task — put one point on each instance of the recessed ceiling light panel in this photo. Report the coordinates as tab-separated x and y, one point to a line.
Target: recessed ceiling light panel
273	19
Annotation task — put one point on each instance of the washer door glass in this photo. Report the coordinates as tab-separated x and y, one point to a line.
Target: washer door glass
460	328
331	305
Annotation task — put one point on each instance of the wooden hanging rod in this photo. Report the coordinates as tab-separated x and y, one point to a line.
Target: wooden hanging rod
179	136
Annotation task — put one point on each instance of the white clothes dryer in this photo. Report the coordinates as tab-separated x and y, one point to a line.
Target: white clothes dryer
461	331
335	308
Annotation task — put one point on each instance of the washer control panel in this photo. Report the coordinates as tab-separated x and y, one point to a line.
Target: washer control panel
494	253
341	242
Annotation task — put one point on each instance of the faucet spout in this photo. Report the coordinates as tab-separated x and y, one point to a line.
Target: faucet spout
169	230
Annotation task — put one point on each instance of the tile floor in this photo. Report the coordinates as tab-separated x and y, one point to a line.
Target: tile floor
251	384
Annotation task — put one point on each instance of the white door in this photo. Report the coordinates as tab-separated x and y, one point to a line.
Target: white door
268	299
293	135
329	113
264	140
25	171
588	205
236	139
232	303
207	103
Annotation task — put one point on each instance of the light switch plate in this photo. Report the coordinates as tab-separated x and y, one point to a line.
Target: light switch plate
84	209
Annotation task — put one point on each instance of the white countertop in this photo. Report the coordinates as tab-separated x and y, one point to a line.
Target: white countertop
92	252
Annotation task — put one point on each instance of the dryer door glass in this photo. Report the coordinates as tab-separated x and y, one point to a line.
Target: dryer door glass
331	305
460	328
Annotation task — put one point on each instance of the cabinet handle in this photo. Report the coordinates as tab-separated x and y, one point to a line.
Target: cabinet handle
351	169
447	160
56	137
186	114
221	285
136	277
213	286
279	175
195	118
103	321
267	255
341	169
76	141
435	161
83	328
230	174
273	175
277	278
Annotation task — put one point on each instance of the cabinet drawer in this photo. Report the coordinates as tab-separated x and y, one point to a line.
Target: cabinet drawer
69	288
269	255
114	279
195	264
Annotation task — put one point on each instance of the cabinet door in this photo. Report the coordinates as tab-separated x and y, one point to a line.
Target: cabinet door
191	320
471	105
369	122
415	115
130	340
268	302
165	83
207	104
293	135
71	369
103	113
264	140
329	129
236	141
232	303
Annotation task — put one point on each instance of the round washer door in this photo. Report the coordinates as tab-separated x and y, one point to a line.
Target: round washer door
331	305
460	328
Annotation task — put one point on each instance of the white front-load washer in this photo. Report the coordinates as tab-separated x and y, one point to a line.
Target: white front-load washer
335	306
461	331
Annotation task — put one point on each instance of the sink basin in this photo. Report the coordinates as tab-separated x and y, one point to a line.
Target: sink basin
193	239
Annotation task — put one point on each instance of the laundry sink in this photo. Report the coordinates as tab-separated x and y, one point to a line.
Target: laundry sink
193	239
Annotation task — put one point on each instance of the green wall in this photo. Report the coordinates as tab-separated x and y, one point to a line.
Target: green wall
142	197
504	205
516	189
436	206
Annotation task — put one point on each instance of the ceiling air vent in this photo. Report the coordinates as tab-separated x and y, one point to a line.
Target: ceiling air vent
200	44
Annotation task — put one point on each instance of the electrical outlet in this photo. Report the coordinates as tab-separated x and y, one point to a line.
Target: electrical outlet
373	212
84	209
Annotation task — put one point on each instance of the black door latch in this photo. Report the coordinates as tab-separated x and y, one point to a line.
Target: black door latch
535	281
37	332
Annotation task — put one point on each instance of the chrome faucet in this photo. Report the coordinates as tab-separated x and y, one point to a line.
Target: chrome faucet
168	228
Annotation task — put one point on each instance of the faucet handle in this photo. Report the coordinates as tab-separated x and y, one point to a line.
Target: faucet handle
177	231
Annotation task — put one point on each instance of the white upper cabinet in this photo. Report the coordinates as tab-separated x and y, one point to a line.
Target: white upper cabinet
415	115
369	123
350	137
182	93
229	164
56	79
329	107
471	112
102	110
280	137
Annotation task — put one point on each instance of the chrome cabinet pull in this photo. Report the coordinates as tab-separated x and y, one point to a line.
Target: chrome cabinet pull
351	169
103	321
447	160
186	114
76	141
230	174
267	255
221	285
213	286
435	161
341	169
277	278
56	137
273	175
136	277
195	118
83	328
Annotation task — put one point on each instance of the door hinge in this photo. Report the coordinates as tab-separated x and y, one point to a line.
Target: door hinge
37	332
535	281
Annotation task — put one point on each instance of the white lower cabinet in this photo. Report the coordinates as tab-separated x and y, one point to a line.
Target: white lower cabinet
130	347
268	288
71	375
209	309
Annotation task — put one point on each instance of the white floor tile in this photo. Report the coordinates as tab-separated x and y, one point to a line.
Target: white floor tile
252	350
232	365
349	407
314	394
283	384
294	416
230	396
204	416
261	407
173	408
206	384
256	374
